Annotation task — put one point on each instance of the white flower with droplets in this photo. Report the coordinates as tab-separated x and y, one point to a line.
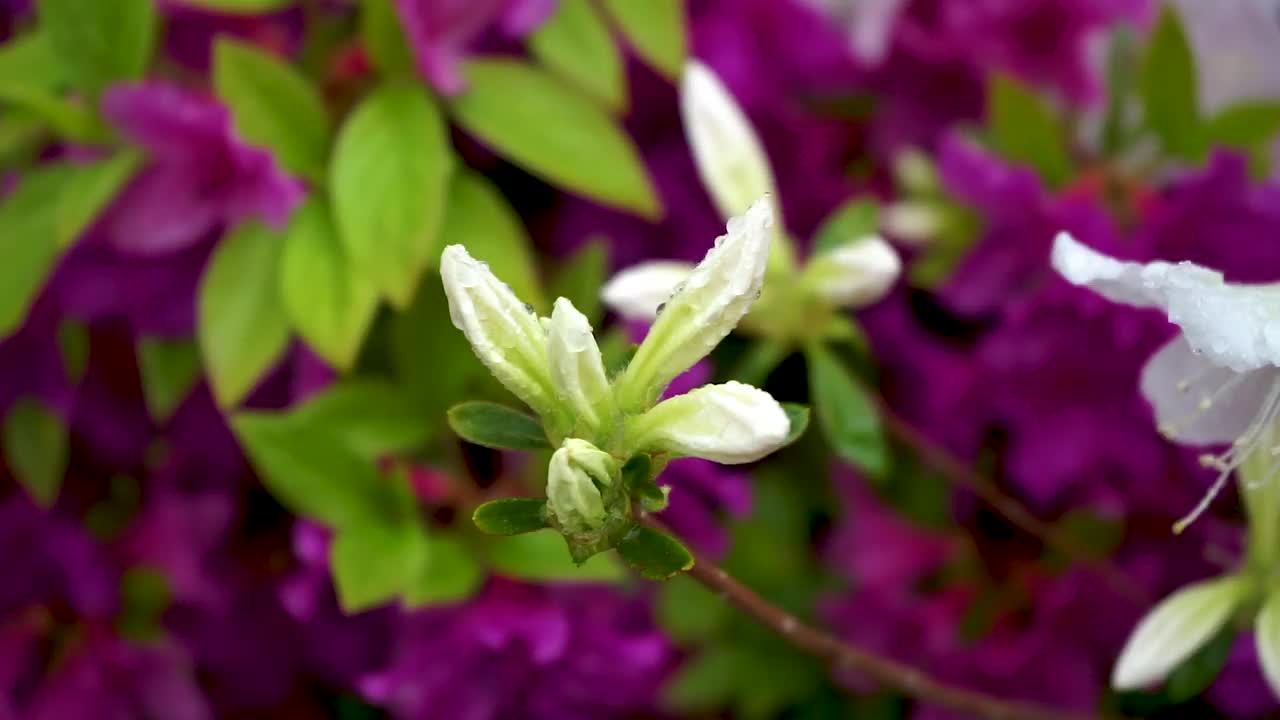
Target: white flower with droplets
1219	381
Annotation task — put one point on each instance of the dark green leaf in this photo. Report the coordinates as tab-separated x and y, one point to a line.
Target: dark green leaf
73	346
33	77
543	557
450	573
639	476
655	29
852	221
1197	672
373	563
390	178
655	555
241	324
847	416
169	370
705	682
1170	96
511	516
1245	125
497	426
273	105
1121	80
98	42
575	42
799	417
1022	129
580	278
144	596
555	132
35	449
481	220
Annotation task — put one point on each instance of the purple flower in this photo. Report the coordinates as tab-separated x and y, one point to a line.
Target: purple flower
200	177
190	32
51	559
1240	690
441	32
522	650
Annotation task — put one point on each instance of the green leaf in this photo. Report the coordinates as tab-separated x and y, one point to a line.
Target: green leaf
575	43
432	360
705	682
35	449
313	472
1169	89
144	596
543	557
373	563
169	369
40	219
1023	129
555	132
846	414
511	516
580	278
384	38
656	30
33	77
389	177
639	476
1246	125
273	105
373	417
246	7
1197	673
99	43
655	555
497	426
449	574
799	417
481	220
241	324
326	300
689	613
73	346
851	221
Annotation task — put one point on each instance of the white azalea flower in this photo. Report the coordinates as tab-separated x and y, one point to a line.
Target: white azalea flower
578	470
855	274
637	292
1219	381
730	423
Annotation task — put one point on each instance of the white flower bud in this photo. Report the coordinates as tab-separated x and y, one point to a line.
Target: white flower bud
637	292
504	333
731	161
1173	631
914	223
577	472
703	310
730	423
855	274
576	366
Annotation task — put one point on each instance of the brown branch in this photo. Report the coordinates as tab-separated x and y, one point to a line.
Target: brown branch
957	472
903	678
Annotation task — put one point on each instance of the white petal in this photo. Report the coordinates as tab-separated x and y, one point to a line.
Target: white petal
1267	637
1200	403
855	274
576	366
1177	627
731	161
1237	326
914	223
504	332
638	291
703	310
730	423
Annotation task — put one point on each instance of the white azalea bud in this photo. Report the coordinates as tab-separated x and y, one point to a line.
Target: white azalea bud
703	310
578	470
1175	629
855	274
576	366
504	333
915	172
731	161
730	423
914	223
637	292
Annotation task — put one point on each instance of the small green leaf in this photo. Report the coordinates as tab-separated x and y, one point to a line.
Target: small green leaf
511	516
73	346
851	221
35	449
373	417
1024	130
1244	125
479	218
273	105
575	42
242	328
799	417
144	596
846	414
497	426
656	30
450	573
245	7
1170	96
639	476
555	132
542	557
580	278
390	178
384	37
99	43
373	563
327	301
169	369
655	555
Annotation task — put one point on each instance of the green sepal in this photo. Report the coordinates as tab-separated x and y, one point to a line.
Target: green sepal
799	416
639	475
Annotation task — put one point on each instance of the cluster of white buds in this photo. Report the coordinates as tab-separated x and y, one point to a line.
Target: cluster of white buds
554	365
734	169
